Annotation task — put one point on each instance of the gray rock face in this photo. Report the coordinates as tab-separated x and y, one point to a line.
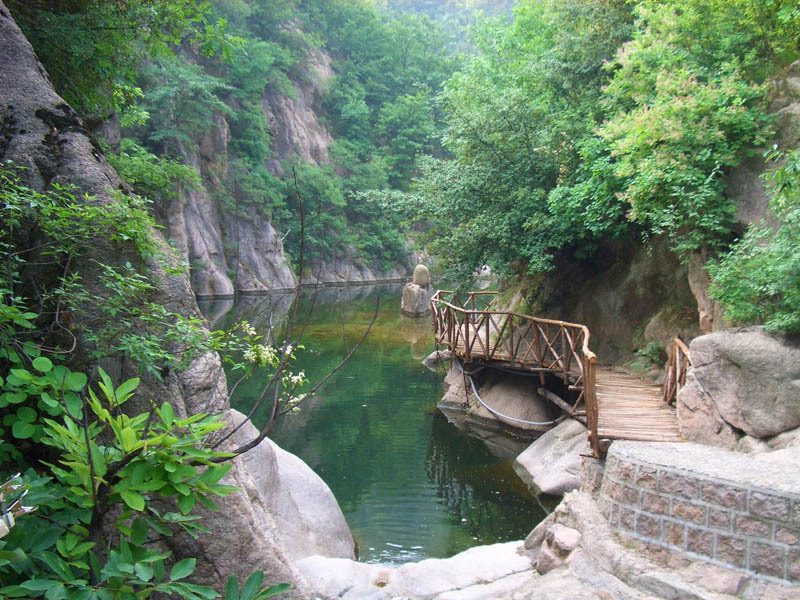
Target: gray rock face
293	120
749	377
347	267
552	463
258	263
416	300
193	225
41	132
698	417
307	517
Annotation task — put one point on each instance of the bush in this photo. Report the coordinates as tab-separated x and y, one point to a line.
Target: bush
759	280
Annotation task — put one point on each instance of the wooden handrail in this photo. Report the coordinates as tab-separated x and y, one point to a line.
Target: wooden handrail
546	345
677	367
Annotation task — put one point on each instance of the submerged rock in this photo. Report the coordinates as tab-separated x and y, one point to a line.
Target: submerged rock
436	358
552	464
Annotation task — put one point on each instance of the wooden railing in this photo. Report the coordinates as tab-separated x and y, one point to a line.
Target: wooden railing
468	326
678	365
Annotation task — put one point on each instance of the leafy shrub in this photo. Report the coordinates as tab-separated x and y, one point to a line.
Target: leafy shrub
759	280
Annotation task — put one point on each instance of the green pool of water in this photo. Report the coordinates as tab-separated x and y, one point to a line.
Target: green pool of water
411	485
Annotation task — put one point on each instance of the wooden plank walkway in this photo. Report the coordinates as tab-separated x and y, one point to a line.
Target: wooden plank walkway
616	405
632	409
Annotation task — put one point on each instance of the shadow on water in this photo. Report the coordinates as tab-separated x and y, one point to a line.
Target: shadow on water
411	485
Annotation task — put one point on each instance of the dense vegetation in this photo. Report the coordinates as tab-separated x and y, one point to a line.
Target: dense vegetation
110	471
575	123
171	70
584	121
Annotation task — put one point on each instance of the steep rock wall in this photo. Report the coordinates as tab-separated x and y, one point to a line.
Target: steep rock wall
39	131
243	251
629	296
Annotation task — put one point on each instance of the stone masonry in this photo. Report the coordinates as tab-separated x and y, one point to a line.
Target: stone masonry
707	503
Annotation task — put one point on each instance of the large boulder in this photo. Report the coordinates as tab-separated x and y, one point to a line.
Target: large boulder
339	578
552	464
416	301
515	401
744	379
307	517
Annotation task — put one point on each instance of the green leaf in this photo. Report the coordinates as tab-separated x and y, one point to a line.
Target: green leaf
144	571
26	414
75	381
139	531
252	585
74	405
186	503
133	499
213	474
39	585
125	389
22	430
48	400
232	588
57	592
167	414
273	590
182	569
128	439
43	364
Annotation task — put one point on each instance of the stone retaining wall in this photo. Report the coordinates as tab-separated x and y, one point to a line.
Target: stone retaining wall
723	507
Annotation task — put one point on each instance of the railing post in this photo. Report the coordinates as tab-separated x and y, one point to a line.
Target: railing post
466	325
590	400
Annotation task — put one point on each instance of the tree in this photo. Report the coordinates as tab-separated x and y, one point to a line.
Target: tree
92	49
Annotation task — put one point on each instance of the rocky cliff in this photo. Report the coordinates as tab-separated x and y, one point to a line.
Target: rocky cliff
41	133
241	250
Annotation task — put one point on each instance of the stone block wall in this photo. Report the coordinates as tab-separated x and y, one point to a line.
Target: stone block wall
706	503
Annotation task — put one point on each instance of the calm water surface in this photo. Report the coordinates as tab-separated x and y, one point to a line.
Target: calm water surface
410	484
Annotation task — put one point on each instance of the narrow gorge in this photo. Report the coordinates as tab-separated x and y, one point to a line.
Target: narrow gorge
405	299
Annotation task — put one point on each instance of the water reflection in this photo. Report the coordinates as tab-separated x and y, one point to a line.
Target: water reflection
410	484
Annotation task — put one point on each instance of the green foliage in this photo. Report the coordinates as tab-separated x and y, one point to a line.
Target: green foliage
406	126
583	121
108	481
110	463
759	281
681	120
92	49
515	115
157	178
651	355
182	100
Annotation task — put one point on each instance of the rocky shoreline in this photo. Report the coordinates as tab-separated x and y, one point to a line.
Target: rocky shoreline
650	520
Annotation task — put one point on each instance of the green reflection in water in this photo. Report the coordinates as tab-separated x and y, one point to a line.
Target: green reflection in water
410	485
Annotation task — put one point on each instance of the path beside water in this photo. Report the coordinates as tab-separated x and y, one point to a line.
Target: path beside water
411	485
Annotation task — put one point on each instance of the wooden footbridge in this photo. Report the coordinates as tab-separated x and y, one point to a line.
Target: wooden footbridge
612	404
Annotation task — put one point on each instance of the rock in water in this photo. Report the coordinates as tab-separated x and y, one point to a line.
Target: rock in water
307	517
552	464
422	276
744	379
436	358
416	300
